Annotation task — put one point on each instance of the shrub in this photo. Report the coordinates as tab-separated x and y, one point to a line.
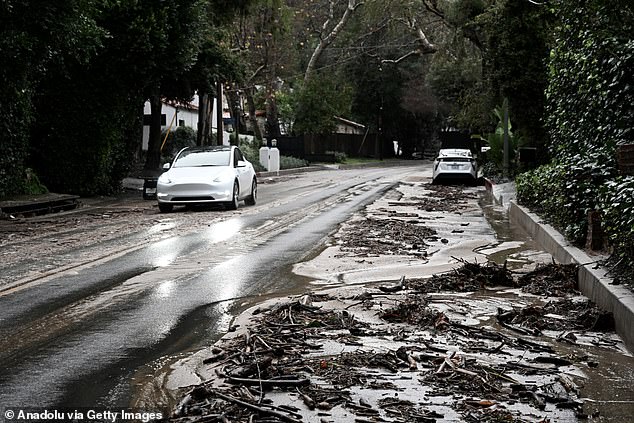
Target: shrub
32	184
288	162
251	151
340	157
616	202
589	112
16	115
178	139
495	156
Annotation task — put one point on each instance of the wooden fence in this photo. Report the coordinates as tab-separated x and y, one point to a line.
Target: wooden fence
319	146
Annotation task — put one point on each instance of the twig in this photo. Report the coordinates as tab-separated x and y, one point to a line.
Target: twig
254	407
268	382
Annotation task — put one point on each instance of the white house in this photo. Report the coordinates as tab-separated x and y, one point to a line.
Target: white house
345	126
176	114
184	114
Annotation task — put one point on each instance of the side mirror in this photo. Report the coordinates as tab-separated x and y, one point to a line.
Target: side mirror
166	166
242	163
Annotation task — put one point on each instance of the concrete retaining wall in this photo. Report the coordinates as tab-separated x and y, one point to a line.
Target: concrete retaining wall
593	282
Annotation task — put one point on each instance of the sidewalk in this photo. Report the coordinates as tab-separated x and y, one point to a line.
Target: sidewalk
594	281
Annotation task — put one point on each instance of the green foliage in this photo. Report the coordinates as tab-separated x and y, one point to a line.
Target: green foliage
563	194
35	37
513	39
15	120
340	157
496	141
450	75
589	108
317	104
79	142
251	151
616	202
461	13
288	162
179	138
32	184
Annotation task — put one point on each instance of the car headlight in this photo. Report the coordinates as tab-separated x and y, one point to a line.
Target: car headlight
164	179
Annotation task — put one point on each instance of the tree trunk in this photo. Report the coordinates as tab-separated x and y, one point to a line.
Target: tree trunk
153	159
272	122
219	110
203	123
257	133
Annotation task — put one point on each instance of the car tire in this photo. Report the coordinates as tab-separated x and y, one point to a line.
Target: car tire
233	204
251	199
165	208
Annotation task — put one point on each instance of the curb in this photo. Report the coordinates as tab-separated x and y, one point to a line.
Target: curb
594	282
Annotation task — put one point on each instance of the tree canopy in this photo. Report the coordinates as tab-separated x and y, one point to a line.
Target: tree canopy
79	71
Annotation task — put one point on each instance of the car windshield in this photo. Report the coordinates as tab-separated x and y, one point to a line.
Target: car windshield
203	158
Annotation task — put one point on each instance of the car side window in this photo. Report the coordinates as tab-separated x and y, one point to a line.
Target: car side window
237	156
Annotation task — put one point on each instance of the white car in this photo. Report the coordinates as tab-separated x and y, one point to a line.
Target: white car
207	175
455	164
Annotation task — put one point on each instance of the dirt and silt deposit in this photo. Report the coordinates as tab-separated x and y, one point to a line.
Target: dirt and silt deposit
478	342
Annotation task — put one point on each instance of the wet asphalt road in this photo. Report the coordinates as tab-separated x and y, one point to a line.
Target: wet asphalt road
77	338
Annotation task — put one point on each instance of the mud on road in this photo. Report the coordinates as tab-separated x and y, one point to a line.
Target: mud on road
482	342
35	247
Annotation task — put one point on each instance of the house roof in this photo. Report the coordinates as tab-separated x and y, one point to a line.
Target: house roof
180	104
349	123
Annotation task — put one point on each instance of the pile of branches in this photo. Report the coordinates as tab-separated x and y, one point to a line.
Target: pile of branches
551	280
468	277
561	315
375	236
444	198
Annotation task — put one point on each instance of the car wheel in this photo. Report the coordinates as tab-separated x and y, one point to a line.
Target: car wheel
165	208
233	204
251	199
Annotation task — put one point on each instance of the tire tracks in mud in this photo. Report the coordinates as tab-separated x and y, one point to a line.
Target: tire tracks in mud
69	316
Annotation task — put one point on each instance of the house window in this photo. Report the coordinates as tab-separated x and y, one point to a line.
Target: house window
181	122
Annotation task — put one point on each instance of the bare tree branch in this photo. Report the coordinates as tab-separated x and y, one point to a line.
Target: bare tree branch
403	57
432	7
330	37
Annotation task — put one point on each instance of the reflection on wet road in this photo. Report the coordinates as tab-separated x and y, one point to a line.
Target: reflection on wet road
76	338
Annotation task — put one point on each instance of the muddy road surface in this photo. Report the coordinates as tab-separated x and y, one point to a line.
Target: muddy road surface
117	305
88	297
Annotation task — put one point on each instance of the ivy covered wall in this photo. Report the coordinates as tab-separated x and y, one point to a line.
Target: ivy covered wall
589	111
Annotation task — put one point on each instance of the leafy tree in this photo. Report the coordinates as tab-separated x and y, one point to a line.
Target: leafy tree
317	104
512	39
175	30
35	36
263	37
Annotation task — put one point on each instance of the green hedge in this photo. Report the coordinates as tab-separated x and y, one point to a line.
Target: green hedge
616	202
589	109
15	121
